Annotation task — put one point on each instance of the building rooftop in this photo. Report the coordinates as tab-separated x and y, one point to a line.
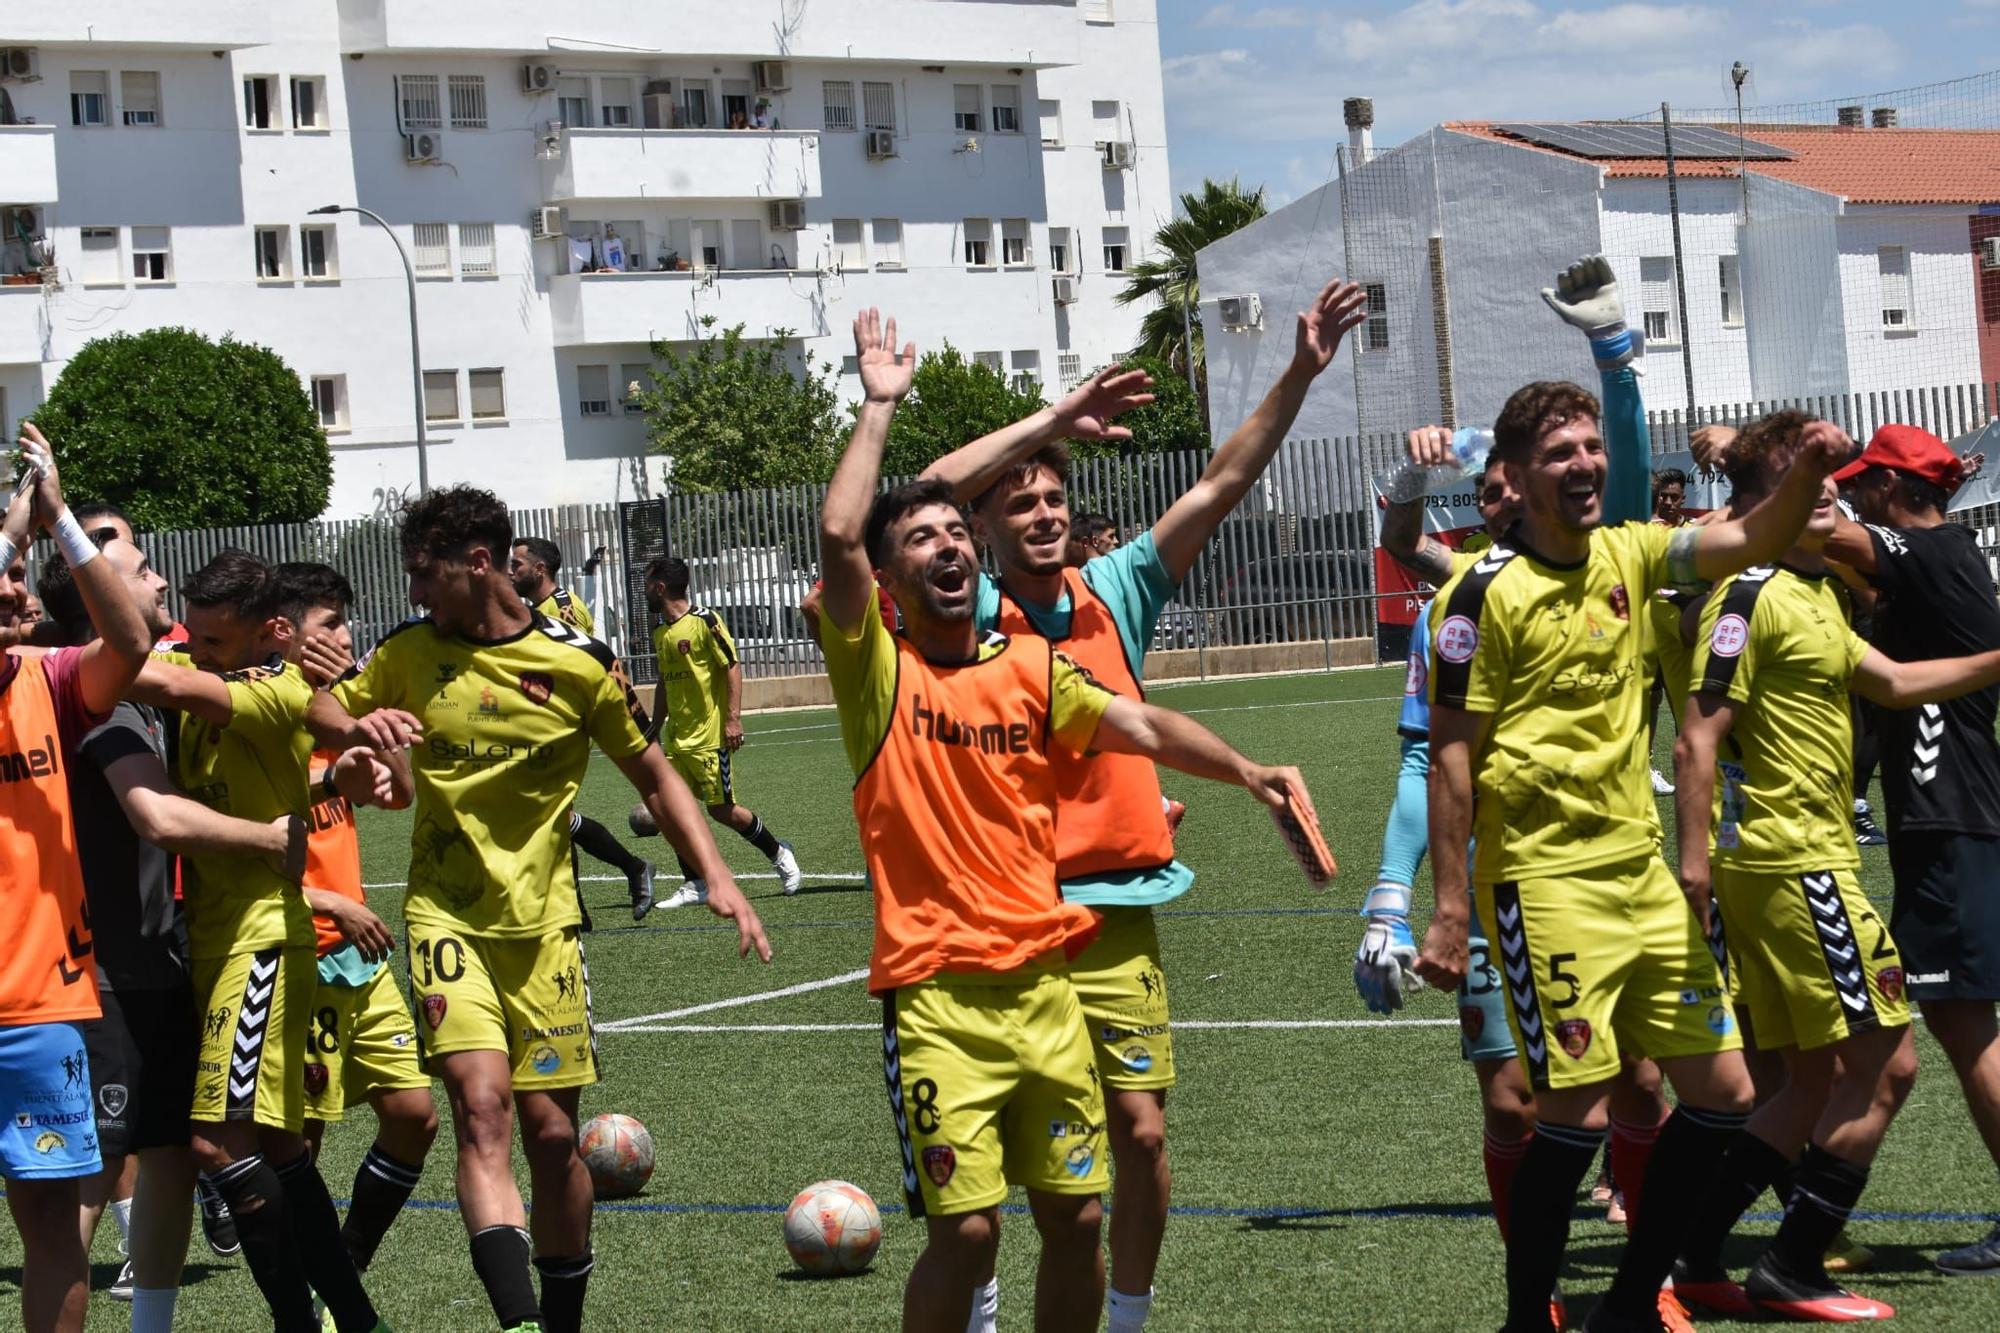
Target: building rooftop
1863	166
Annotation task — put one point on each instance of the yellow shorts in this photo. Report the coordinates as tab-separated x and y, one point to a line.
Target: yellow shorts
362	1042
1124	998
527	997
256	1010
1817	964
991	1083
706	773
1606	957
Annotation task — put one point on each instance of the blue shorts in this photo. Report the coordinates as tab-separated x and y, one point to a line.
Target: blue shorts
1483	1033
50	1130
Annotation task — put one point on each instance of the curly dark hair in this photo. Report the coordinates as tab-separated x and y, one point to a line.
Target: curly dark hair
1533	410
299	585
1757	453
895	503
447	523
1668	476
233	578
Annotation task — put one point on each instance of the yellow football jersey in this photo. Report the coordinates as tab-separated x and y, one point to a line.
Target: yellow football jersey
695	654
507	732
1556	656
1776	642
255	768
566	606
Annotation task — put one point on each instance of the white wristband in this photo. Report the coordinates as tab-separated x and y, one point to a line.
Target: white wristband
7	552
77	547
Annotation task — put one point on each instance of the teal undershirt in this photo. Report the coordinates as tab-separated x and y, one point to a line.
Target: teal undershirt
346	967
1135	584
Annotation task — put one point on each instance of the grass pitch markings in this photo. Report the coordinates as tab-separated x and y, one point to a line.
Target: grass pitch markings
620	1024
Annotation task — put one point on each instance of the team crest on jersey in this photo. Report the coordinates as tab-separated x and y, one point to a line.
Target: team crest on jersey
1457	639
1621	603
1730	635
538	686
1890	979
1573	1035
315	1080
1472	1021
940	1160
1416	677
685	647
1590	623
434	1007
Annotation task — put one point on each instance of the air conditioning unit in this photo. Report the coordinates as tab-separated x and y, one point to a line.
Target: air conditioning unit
773	76
537	79
1989	252
546	222
658	111
20	64
1240	312
787	214
1117	156
881	144
1065	289
424	146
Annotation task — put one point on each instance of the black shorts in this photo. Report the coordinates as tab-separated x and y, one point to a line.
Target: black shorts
1946	918
142	1058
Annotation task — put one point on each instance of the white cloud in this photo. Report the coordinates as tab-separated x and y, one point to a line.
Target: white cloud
1262	19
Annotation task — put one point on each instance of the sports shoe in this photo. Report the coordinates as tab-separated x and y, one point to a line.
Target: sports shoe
1662	786
787	866
1674	1317
641	882
1847	1255
1558	1309
1614	1211
1601	1192
1176	812
1867	833
121	1286
1776	1290
691	893
218	1228
1717	1294
1979	1259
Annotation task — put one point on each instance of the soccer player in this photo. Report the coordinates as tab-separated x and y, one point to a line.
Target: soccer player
1819	973
509	703
1115	843
1538	681
532	566
363	1044
989	1063
698	707
1090	535
48	703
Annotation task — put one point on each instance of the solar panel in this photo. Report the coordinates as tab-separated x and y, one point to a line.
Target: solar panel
1642	139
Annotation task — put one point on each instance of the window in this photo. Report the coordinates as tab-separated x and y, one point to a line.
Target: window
837	104
990	360
1732	292
735	99
468	101
417	102
89	97
308	103
1014	250
440	395
614	98
274	254
1656	298
1006	108
150	255
432	243
100	257
978	242
329	395
1050	111
573	101
886	236
1114	249
316	258
139	97
965	107
1059	255
850	365
878	106
475	254
1104	116
1069	367
694	106
259	97
847	244
593	391
629	240
1378	317
634	378
1892	262
708	244
488	391
1027	371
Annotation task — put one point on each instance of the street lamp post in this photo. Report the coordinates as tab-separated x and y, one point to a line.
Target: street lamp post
416	355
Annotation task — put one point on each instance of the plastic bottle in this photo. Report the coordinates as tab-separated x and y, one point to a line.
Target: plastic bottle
1469	447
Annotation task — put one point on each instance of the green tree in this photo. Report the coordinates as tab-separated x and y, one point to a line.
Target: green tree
951	401
736	413
1172	421
183	432
1169	277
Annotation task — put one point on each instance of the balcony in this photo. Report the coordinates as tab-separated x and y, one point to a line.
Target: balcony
22	323
687	164
27	165
645	307
202	25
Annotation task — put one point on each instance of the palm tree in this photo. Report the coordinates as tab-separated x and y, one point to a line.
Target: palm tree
1169	275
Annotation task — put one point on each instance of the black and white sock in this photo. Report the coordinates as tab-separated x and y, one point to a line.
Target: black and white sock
382	1186
500	1258
1680	1173
1827	1190
256	1199
761	838
316	1227
1543	1197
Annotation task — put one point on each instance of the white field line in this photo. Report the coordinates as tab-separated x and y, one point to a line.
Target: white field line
621	1024
1212	1025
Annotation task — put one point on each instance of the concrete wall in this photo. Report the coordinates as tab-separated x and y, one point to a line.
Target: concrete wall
1639	224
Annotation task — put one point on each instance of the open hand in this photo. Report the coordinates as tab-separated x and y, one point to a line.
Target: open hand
46	488
885	377
1085	412
1339	306
323	661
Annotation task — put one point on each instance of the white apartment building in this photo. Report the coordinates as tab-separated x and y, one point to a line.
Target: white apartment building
568	188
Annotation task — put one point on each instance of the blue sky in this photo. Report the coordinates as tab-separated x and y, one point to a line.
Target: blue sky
1254	88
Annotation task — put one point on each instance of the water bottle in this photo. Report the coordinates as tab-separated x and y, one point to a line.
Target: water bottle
1469	447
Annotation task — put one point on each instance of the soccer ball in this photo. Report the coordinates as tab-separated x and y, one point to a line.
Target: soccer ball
641	820
833	1227
618	1152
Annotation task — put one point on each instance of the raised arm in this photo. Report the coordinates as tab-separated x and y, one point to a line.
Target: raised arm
1085	413
1716	550
1456	737
1403	535
184	689
1185	745
843	523
1191	520
1706	720
1586	298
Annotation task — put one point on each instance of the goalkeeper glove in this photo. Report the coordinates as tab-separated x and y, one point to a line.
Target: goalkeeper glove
1382	965
1586	297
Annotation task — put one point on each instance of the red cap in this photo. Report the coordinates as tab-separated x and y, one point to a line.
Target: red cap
1908	449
